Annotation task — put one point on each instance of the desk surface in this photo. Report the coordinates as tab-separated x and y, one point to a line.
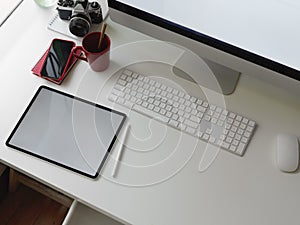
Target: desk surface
7	7
158	181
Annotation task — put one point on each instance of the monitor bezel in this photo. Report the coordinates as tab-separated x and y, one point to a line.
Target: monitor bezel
207	40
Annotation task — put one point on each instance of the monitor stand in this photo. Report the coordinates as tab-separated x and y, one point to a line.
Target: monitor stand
193	66
206	73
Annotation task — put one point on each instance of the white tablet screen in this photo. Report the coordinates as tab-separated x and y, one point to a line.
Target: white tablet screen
67	131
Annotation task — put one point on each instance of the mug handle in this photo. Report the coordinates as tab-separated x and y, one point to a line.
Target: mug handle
77	52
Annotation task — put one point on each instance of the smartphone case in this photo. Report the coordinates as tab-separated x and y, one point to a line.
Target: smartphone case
39	65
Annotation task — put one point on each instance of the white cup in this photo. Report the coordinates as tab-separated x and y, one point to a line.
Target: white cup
45	3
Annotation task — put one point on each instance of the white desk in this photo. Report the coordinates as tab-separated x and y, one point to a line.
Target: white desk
7	7
170	190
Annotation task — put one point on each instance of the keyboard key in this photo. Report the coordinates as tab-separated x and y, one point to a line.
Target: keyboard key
199	134
251	123
190	130
205	104
207	118
225	145
205	137
173	123
118	93
113	97
127	72
195	119
190	123
232	115
245	120
135	75
232	148
122	82
212	139
241	148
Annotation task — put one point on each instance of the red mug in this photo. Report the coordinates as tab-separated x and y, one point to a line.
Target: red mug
98	58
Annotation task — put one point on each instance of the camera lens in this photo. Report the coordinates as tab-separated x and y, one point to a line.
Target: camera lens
79	25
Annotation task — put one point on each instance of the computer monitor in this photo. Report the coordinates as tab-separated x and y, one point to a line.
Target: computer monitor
230	36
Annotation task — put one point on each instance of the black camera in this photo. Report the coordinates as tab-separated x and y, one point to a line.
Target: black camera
81	14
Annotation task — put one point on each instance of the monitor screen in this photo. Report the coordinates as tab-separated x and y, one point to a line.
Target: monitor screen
262	32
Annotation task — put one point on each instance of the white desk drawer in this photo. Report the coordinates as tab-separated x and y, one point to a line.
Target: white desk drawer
80	214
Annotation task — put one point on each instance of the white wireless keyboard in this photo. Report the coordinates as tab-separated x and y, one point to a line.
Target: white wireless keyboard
186	113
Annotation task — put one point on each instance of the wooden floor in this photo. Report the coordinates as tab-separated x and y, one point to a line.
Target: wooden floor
28	207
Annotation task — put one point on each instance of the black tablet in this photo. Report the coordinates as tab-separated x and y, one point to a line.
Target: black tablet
66	130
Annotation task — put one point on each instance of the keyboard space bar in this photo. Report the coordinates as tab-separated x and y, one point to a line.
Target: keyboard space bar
150	113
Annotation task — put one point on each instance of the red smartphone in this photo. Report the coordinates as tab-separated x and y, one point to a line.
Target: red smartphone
58	60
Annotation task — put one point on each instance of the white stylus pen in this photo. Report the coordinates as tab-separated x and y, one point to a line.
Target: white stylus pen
119	154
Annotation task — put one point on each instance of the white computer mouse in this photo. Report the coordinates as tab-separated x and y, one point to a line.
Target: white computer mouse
287	152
